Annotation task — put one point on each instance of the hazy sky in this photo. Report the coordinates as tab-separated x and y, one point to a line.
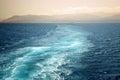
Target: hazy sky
50	7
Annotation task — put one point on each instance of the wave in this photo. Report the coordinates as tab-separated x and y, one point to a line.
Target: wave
56	58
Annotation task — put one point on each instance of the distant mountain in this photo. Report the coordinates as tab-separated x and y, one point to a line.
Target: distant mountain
61	18
113	18
27	18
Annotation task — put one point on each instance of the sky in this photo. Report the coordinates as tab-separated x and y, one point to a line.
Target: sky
10	8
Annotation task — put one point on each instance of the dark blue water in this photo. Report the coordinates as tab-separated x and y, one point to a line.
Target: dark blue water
60	51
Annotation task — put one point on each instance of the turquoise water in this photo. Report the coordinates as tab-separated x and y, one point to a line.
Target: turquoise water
58	51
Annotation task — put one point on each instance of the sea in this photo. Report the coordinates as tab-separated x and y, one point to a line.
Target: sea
59	51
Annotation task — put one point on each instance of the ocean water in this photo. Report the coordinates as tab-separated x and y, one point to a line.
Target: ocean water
89	51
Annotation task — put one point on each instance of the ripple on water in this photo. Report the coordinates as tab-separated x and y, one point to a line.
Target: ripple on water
56	59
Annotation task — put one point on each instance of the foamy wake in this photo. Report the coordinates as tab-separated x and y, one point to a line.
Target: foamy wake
63	47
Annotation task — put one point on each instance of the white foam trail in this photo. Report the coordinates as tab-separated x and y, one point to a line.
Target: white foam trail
44	62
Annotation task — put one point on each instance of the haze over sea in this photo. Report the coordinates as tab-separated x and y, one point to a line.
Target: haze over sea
79	51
